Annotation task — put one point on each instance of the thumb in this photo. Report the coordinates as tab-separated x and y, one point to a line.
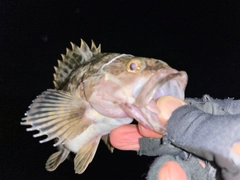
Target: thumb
166	105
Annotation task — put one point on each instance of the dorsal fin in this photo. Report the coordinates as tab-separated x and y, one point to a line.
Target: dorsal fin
72	59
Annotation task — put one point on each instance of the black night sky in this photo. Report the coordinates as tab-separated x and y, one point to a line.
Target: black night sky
200	37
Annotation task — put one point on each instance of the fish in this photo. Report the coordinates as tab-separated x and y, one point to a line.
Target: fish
94	93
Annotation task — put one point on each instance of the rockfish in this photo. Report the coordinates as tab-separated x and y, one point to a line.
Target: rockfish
95	93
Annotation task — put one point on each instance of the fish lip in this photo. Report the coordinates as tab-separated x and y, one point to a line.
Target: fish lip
165	82
173	86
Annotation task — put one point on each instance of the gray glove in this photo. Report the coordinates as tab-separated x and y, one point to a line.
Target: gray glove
168	152
207	128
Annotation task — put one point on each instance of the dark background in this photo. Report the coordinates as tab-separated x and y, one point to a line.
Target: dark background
202	38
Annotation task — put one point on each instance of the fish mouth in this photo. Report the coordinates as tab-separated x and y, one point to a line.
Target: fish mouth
166	82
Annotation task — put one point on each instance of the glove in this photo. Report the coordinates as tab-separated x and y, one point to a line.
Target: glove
207	129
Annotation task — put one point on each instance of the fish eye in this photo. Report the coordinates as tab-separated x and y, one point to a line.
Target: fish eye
134	65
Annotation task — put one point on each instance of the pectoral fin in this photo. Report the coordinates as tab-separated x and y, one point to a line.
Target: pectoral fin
57	114
85	155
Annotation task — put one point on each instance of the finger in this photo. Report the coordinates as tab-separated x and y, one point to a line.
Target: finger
236	148
166	105
235	153
171	171
126	137
148	133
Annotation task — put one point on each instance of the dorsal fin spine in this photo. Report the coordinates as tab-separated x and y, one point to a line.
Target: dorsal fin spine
72	59
94	48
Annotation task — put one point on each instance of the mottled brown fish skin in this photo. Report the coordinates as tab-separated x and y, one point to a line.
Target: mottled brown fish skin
95	93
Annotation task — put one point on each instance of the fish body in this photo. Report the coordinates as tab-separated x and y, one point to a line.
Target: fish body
95	93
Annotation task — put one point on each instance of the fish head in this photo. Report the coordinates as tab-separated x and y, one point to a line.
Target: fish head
129	87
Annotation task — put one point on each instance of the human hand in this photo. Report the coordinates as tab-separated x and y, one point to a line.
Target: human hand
127	137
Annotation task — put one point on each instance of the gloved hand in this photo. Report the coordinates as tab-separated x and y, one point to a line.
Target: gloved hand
206	128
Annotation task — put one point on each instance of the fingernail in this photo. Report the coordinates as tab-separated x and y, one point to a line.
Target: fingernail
235	153
236	148
163	174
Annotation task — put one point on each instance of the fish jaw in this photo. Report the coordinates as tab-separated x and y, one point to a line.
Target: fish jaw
163	82
134	95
